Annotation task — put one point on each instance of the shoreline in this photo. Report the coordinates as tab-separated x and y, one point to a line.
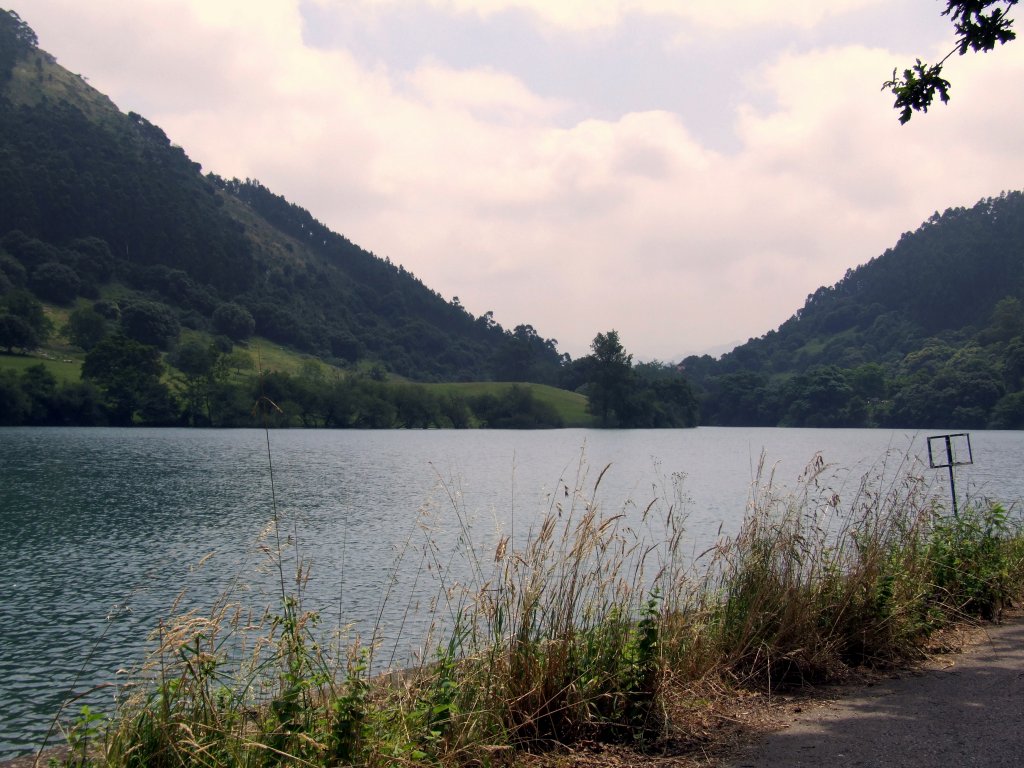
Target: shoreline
743	729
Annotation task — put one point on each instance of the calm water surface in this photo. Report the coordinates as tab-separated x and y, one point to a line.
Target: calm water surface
102	529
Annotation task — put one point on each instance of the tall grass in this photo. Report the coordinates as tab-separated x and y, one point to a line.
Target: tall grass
577	631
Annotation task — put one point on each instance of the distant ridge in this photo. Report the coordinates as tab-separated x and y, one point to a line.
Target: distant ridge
927	334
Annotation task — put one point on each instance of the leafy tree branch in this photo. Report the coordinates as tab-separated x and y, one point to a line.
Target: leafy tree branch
977	28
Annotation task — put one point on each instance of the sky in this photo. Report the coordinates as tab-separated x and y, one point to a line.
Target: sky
685	172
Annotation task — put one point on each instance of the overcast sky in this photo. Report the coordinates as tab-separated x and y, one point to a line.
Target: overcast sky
683	171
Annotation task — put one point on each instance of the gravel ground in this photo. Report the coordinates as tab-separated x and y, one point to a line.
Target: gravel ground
961	710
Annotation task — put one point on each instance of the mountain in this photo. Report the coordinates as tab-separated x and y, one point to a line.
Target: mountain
97	204
929	334
145	261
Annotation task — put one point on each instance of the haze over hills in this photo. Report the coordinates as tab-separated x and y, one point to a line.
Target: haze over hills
102	216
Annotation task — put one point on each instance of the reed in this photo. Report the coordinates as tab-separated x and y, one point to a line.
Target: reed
583	629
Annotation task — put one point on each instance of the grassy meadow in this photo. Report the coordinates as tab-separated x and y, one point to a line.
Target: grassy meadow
244	362
571	406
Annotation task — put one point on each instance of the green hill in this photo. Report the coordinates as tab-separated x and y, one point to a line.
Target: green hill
94	203
134	289
929	334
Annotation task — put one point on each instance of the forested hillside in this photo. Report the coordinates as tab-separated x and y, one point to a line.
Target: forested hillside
132	286
93	202
929	334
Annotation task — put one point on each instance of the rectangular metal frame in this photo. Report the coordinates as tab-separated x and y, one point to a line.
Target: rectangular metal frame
950	461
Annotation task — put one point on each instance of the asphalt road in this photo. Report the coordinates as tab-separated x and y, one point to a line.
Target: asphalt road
965	710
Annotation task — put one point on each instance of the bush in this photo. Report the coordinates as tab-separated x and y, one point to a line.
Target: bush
56	282
234	321
577	632
974	561
150	322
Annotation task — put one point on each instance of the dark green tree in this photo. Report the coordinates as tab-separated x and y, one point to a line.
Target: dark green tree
819	398
14	403
128	373
151	323
979	27
13	270
55	282
945	387
85	328
93	258
1007	321
41	387
16	333
24	305
1008	413
16	39
202	370
234	321
738	399
77	403
611	379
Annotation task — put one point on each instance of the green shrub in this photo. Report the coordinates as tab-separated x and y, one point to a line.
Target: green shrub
975	559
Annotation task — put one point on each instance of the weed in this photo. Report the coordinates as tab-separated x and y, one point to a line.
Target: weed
973	557
573	633
85	731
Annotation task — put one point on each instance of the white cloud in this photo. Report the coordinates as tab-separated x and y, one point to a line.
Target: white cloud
589	15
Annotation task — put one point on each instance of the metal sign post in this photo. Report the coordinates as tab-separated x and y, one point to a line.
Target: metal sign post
954	449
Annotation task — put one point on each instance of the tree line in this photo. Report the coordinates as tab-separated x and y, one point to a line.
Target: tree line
126	383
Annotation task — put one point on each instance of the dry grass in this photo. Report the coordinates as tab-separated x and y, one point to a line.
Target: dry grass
595	640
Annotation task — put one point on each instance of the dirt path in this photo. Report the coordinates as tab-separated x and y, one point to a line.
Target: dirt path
966	709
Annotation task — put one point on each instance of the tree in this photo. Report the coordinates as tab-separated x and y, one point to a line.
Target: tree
15	333
41	388
93	258
56	282
85	328
16	38
234	321
150	322
14	403
128	373
201	366
977	29
818	398
12	269
611	375
24	305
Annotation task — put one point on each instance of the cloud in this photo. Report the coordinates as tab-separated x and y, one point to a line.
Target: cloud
591	15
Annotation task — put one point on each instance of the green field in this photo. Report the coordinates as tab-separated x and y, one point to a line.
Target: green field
64	367
65	364
571	406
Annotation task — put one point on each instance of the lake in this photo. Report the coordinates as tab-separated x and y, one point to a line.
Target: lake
102	529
